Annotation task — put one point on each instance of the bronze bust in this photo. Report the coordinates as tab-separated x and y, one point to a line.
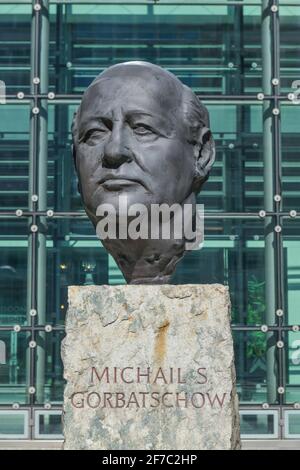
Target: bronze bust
140	133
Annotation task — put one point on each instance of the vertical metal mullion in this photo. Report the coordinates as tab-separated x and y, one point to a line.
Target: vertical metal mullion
268	155
42	196
278	252
237	179
272	160
36	284
32	242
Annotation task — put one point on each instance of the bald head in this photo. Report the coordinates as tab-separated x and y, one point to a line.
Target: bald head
149	77
147	81
139	113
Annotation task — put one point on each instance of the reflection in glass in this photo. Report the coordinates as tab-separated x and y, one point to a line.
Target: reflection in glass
290	117
13	367
75	256
49	424
233	254
13	424
291	251
14	155
251	365
215	49
292	424
49	377
13	271
293	367
259	423
289	46
15	22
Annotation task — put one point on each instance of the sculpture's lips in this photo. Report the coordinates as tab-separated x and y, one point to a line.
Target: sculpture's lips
118	182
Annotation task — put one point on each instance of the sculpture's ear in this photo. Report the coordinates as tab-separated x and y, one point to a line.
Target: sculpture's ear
204	152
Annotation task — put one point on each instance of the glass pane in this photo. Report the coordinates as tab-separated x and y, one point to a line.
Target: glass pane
13	367
236	182
13	271
49	425
49	368
75	256
15	22
289	45
293	368
215	49
233	254
262	424
13	228
251	366
62	181
290	117
14	152
291	250
292	424
13	424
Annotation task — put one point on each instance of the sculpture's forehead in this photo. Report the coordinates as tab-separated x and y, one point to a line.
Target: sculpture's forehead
145	93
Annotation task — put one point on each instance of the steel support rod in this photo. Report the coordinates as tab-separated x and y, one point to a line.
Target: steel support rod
42	200
269	169
38	190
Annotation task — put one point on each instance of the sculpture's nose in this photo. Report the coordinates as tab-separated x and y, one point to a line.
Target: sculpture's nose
116	152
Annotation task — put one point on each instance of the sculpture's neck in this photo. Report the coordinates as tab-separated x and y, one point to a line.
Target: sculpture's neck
146	261
150	261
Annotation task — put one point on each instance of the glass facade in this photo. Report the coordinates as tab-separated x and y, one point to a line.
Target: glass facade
242	59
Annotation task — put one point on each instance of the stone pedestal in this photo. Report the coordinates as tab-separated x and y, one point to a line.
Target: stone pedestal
149	367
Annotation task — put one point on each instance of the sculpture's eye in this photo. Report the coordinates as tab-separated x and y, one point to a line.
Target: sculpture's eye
93	136
142	129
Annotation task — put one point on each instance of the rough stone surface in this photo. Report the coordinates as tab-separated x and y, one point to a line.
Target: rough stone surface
182	334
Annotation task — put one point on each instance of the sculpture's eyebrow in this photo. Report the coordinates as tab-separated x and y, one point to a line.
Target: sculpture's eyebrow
164	125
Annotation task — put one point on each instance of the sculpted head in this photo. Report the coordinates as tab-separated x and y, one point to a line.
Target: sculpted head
140	132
